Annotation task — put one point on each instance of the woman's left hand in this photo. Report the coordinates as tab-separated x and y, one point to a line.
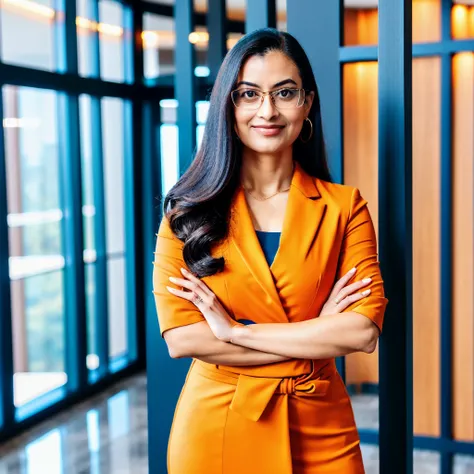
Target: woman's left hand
206	301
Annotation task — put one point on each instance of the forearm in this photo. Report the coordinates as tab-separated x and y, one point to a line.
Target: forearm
320	338
198	341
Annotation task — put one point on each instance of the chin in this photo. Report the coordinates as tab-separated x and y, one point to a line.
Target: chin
260	147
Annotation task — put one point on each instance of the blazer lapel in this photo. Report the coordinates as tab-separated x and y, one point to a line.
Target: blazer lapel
302	219
304	213
245	239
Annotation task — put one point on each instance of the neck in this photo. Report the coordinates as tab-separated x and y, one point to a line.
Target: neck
266	174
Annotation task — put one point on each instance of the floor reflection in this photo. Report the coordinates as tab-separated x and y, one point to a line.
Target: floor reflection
106	435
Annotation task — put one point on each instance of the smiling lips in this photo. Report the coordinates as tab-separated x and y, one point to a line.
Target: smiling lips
268	130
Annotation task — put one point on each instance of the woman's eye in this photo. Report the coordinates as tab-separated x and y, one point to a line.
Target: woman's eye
286	93
249	94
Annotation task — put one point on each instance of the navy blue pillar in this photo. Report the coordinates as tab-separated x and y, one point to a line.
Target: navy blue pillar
260	14
318	32
216	26
185	83
395	236
320	25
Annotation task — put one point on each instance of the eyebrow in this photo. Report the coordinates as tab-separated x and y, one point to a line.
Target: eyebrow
278	84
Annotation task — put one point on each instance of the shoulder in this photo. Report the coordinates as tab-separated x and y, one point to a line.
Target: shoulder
342	196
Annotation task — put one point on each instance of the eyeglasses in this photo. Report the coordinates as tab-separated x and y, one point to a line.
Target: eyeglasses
252	99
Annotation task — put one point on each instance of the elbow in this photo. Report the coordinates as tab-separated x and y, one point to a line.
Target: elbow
370	339
176	347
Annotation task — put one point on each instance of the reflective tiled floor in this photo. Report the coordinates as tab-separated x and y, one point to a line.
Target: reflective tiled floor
108	435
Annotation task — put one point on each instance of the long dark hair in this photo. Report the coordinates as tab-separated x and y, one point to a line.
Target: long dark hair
198	205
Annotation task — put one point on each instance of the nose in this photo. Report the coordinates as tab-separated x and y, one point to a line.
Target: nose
267	109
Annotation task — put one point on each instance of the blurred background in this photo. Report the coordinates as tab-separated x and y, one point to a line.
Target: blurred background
103	103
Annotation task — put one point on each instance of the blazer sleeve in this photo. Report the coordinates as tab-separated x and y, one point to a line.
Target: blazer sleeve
359	249
172	310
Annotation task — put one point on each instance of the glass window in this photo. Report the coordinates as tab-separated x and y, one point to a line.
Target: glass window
118	345
202	109
27	33
113	148
169	144
35	240
158	45
112	45
86	28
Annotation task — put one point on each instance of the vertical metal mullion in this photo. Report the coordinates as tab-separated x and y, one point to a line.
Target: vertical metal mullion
320	25
132	159
262	14
446	203
395	235
217	28
71	193
185	88
7	407
101	289
136	160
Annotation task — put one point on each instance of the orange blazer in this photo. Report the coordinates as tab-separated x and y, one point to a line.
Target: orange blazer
327	230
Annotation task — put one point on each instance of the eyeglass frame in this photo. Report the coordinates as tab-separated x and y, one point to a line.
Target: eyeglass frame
265	93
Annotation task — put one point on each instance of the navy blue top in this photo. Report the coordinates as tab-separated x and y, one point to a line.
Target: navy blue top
269	241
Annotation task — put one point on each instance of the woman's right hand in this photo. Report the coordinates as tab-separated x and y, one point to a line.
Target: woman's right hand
342	296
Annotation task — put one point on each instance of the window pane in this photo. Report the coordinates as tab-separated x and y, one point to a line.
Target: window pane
32	165
27	33
86	29
88	203
158	45
111	41
113	133
35	240
38	336
117	303
92	359
169	144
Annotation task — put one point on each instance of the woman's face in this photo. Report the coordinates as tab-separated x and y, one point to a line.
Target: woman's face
274	71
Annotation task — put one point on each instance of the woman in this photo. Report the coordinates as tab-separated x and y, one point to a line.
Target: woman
265	271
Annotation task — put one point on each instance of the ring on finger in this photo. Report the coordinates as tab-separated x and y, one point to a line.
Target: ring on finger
197	299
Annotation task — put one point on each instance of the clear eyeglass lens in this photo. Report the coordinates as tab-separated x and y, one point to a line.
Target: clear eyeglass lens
282	98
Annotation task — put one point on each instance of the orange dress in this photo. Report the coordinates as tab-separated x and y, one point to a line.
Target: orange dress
293	417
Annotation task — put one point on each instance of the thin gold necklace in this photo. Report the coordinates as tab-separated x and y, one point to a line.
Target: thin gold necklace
272	195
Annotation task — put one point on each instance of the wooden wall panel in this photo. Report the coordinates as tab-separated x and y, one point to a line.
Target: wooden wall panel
426	18
426	245
462	21
361	170
463	246
360	26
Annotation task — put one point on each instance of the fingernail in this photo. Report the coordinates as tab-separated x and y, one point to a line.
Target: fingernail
366	292
184	270
172	278
169	288
352	270
367	280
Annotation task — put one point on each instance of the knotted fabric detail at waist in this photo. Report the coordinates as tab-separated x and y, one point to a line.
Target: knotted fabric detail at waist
253	394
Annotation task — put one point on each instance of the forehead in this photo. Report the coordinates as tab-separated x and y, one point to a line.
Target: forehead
268	70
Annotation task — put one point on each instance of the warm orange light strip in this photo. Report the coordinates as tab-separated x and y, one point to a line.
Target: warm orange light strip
462	21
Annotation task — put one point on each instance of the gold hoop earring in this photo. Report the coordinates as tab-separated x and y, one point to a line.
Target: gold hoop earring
310	133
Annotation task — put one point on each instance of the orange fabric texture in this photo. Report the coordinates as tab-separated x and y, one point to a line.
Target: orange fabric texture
290	417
